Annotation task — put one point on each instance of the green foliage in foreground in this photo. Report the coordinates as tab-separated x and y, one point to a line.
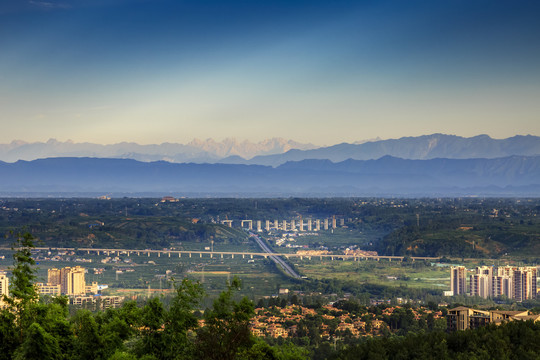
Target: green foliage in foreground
34	330
513	340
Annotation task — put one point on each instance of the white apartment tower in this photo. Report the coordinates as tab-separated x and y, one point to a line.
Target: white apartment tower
4	285
458	280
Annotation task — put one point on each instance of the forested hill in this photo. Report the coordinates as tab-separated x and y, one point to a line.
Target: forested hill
467	236
387	176
123	223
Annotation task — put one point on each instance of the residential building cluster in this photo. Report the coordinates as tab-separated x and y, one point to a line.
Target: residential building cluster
288	321
65	256
67	281
462	318
71	281
518	283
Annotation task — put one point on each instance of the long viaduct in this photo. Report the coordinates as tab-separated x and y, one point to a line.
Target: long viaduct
228	254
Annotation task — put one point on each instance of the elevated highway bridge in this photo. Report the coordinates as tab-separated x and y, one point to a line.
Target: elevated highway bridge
227	254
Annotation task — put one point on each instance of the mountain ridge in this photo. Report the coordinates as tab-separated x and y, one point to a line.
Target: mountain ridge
420	147
387	176
197	150
277	151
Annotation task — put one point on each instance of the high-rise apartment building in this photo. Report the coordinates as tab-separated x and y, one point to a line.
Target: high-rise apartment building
70	279
501	286
54	276
75	283
4	286
524	280
480	285
458	280
518	283
481	282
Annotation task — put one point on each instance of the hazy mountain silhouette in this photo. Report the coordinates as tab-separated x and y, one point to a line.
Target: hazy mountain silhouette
515	175
277	151
421	147
200	151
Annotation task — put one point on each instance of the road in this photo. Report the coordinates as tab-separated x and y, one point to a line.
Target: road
279	261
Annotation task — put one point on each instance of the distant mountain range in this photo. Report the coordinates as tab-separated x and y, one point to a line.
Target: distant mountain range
421	148
387	176
277	151
200	151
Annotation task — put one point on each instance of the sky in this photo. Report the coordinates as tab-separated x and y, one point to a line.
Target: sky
320	72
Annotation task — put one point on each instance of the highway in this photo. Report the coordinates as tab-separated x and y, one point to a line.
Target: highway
279	261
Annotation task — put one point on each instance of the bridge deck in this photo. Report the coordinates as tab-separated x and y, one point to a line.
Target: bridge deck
231	253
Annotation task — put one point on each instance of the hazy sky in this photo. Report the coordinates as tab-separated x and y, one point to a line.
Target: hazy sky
324	72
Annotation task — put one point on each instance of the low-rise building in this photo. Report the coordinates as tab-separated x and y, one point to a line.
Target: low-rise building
48	289
97	302
462	318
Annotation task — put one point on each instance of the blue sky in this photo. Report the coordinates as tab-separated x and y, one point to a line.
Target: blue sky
315	71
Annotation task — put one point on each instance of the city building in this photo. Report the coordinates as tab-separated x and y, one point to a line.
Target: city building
501	286
47	289
92	289
518	283
67	281
97	302
481	283
73	282
4	288
462	318
54	276
458	280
